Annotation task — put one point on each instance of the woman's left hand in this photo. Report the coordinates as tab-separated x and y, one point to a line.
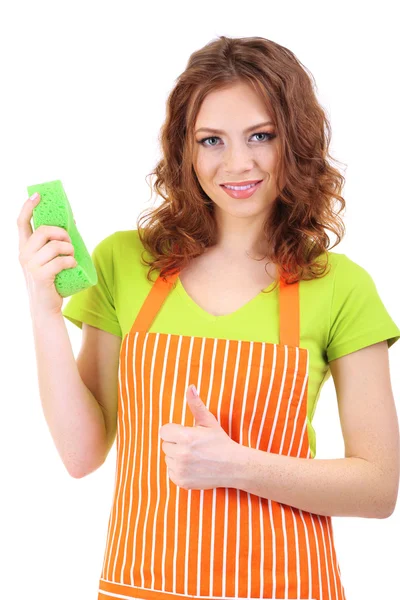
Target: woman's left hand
200	457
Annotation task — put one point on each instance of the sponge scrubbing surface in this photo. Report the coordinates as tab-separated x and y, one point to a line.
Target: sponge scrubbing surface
54	209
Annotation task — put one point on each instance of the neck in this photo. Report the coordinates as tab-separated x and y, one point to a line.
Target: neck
241	238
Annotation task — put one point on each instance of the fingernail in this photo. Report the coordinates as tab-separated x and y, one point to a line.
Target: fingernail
34	197
194	390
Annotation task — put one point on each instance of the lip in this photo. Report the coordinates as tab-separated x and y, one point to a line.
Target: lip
242	193
241	182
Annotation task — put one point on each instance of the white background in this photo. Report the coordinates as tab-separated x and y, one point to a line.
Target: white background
83	94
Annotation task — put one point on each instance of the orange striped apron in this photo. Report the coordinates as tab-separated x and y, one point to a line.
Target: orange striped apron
165	542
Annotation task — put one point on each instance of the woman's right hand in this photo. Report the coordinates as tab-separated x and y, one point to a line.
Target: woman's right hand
39	257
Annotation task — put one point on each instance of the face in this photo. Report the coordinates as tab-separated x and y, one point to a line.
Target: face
242	152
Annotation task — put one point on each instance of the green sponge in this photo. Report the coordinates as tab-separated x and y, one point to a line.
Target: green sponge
54	209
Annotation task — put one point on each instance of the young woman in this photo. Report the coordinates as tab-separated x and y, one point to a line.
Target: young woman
218	494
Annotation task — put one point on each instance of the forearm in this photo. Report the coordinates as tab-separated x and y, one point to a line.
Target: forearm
345	487
74	417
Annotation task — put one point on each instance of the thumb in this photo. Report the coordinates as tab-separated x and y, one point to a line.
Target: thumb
199	410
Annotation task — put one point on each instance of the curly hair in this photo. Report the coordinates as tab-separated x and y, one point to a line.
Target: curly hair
183	226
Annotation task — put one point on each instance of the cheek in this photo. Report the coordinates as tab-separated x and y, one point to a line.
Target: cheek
267	156
206	168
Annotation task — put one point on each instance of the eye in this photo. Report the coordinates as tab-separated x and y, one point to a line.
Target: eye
270	136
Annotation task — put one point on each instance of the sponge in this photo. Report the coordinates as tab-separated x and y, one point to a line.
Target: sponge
54	209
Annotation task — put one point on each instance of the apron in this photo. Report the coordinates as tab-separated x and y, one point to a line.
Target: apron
165	542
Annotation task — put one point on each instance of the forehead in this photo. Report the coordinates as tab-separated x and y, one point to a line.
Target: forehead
237	106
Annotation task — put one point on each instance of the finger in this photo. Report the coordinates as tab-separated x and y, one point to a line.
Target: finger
24	221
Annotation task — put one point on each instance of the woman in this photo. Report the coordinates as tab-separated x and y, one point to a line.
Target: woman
216	494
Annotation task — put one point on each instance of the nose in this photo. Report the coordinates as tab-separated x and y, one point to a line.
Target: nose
238	159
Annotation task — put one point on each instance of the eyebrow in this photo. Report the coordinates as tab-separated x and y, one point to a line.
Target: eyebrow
245	131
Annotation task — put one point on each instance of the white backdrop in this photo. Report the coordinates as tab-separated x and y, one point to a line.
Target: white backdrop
84	85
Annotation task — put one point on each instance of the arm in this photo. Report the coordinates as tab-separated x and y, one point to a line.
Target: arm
365	483
73	415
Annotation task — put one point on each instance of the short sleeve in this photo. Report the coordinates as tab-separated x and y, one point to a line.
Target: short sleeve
95	305
358	315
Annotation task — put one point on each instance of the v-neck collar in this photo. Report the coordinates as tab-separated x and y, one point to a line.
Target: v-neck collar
216	318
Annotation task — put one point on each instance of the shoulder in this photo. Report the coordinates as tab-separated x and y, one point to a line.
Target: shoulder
126	254
349	277
341	264
117	242
352	284
358	315
342	273
128	235
125	240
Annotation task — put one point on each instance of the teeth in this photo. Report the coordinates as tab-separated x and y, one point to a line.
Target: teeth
240	187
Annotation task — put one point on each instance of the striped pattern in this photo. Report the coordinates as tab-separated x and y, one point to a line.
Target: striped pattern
167	542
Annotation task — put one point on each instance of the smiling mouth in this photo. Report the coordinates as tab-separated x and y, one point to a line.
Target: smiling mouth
252	183
242	192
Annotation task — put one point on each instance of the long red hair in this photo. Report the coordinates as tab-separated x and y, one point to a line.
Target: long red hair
183	226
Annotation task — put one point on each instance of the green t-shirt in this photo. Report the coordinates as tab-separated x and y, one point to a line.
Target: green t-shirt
339	313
